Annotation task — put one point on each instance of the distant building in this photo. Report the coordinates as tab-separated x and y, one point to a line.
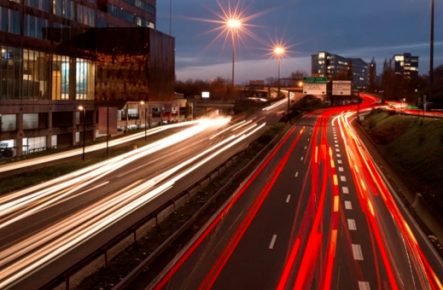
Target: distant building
332	66
360	73
406	65
58	55
336	67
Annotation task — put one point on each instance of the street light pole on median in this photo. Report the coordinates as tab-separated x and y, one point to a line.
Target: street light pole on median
279	52
143	103
233	25
83	111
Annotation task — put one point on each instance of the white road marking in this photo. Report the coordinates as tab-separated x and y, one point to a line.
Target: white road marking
273	240
357	252
306	147
363	285
348	205
288	198
339	155
343	178
336	141
301	158
339	161
345	189
336	145
337	150
352	226
296	174
341	169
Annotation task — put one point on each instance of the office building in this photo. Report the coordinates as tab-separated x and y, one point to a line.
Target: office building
336	67
59	56
360	73
406	65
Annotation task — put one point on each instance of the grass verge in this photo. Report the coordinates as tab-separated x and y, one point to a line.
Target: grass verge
414	146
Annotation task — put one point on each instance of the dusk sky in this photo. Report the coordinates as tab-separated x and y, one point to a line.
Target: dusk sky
351	28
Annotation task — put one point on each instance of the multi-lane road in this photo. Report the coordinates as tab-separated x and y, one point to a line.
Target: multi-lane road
47	228
316	214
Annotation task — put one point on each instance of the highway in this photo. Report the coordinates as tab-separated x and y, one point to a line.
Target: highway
90	148
47	228
316	214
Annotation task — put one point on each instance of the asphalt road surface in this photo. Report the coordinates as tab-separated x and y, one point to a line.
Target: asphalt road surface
316	214
47	228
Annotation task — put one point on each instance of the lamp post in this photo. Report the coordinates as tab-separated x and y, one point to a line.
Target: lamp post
82	110
233	25
279	52
107	127
143	104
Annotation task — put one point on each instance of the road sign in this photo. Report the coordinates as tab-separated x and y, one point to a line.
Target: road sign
315	80
341	88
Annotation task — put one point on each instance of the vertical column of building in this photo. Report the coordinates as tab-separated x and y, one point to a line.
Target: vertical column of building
72	78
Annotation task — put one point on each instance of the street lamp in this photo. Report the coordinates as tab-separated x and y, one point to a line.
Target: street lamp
83	110
279	51
143	104
233	25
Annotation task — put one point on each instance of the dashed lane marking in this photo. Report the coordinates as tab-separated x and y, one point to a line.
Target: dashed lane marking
272	243
348	205
357	252
288	198
352	226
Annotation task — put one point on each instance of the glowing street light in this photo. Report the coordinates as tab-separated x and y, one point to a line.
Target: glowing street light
279	51
233	24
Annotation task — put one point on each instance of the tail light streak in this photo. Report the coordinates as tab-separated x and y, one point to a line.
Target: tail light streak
30	254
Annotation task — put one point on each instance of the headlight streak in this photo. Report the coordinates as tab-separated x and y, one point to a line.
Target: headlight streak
92	148
82	178
28	255
275	105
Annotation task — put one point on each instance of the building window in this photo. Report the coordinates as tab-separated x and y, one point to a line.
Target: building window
63	8
85	15
84	79
34	26
10	72
60	77
39	4
35	75
10	20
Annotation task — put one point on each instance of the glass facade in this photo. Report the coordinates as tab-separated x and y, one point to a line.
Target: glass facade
26	74
55	55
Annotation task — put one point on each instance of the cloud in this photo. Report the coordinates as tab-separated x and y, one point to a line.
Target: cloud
246	70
